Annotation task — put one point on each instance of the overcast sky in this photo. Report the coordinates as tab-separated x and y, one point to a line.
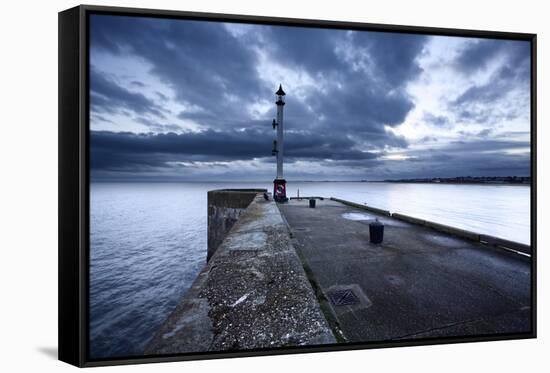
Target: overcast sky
187	100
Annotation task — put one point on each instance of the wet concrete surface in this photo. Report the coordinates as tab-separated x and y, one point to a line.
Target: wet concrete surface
419	283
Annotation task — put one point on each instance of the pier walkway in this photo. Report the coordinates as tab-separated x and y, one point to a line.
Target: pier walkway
418	283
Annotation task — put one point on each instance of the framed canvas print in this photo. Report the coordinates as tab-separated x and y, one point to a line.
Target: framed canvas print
241	185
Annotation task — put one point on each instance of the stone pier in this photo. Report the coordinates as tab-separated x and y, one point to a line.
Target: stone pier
286	275
253	293
224	208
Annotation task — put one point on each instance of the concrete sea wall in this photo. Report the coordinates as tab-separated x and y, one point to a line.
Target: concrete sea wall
224	208
363	207
253	293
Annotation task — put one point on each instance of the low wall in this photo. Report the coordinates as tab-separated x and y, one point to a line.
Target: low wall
363	207
463	233
505	244
253	293
224	208
438	227
306	198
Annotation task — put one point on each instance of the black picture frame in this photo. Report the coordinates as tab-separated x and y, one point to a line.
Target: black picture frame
74	176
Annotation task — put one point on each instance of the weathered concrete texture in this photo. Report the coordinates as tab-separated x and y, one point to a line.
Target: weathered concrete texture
224	208
418	283
253	293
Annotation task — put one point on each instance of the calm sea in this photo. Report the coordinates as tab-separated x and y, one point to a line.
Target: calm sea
148	240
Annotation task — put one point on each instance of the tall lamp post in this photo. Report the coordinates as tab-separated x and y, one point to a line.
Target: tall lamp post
279	184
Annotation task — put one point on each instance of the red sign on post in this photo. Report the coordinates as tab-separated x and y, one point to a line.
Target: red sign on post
279	190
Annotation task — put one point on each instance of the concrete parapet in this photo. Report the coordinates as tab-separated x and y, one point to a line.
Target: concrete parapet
364	207
452	230
252	294
477	237
224	208
438	227
505	244
408	219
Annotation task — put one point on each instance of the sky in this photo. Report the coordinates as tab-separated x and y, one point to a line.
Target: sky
194	101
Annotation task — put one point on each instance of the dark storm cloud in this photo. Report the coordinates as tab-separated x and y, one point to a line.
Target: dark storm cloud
486	93
207	66
309	48
358	89
393	55
484	145
437	120
428	139
207	145
123	151
477	54
201	61
138	84
477	164
360	108
107	96
157	126
485	133
359	100
441	162
481	157
483	103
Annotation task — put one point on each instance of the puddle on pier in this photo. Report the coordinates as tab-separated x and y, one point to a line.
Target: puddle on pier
363	216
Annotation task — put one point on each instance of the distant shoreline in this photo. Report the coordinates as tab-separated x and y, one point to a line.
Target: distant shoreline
103	181
452	183
491	180
460	180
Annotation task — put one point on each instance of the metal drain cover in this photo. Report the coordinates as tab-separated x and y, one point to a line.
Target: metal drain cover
344	297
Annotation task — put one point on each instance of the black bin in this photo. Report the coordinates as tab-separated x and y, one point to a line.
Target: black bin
376	231
312	203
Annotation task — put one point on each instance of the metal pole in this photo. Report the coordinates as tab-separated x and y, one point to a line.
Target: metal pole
279	184
280	145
